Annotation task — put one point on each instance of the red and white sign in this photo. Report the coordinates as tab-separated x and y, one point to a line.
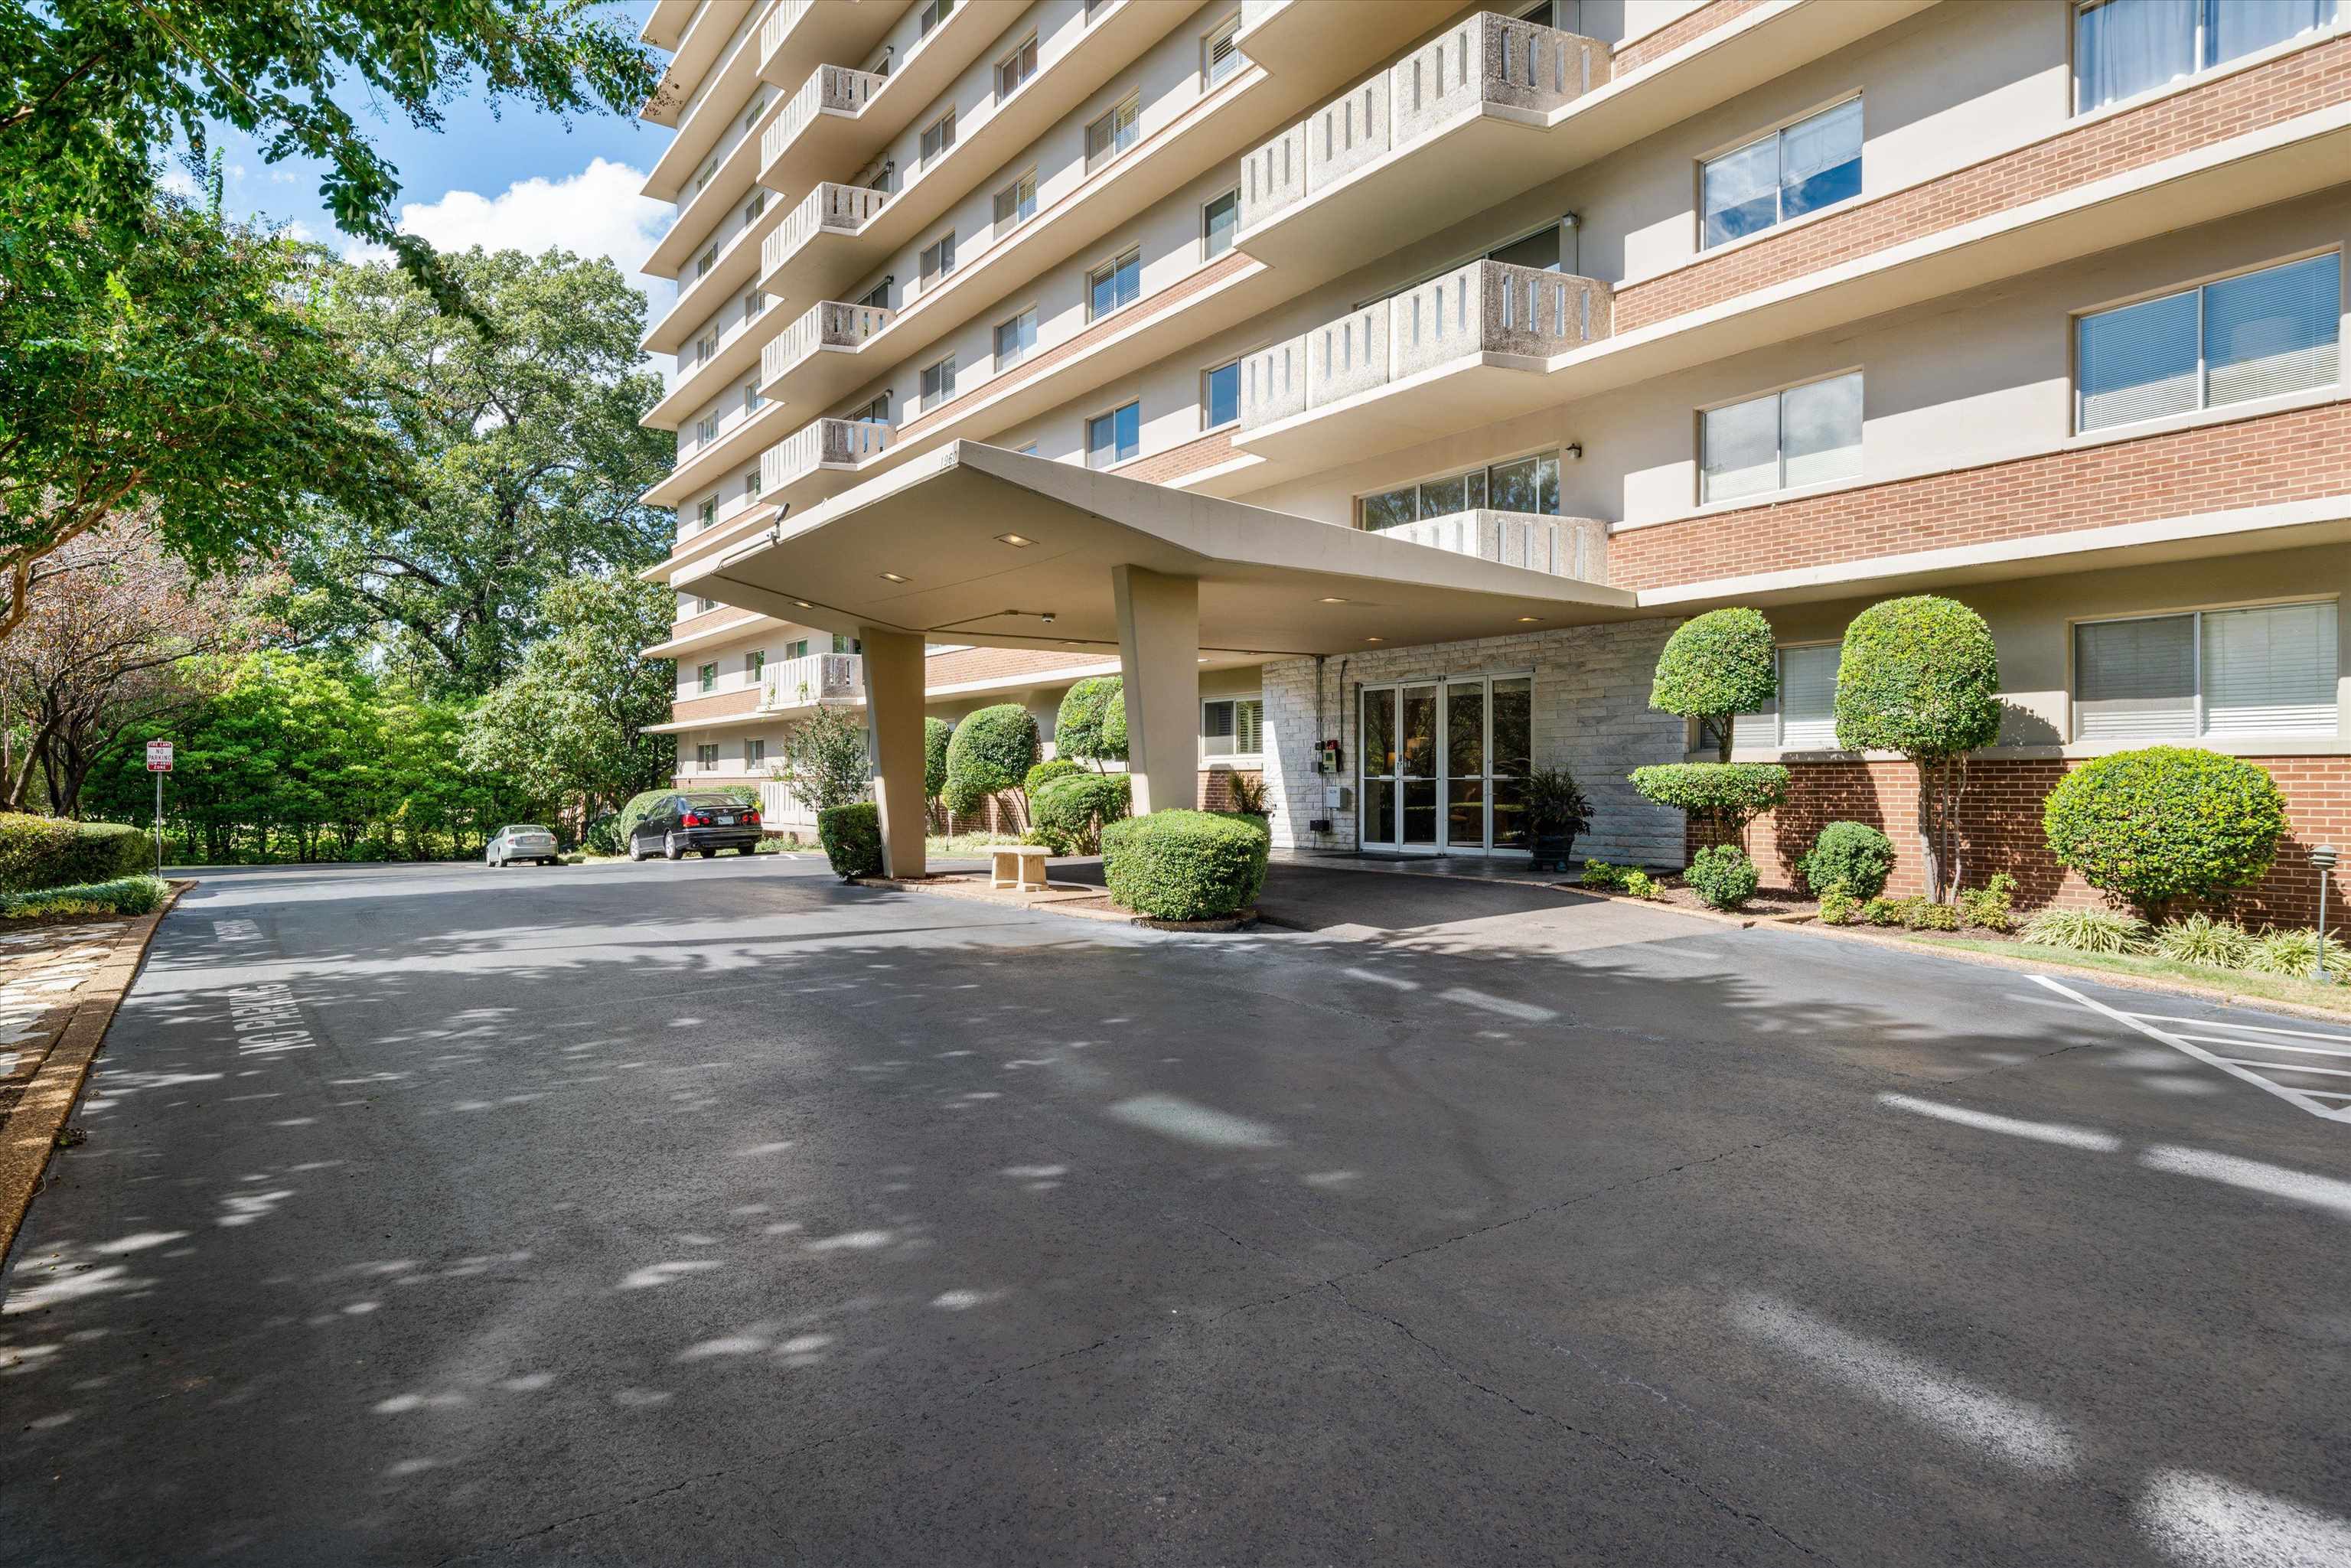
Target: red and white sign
159	757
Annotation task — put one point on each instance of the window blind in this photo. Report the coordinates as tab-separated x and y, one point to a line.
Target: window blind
1742	448
1808	697
2137	363
1249	725
1820	431
2272	331
2270	671
2135	679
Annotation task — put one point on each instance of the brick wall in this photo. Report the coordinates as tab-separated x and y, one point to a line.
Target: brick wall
1216	787
1650	47
717	705
2001	819
2231	105
2254	462
1190	457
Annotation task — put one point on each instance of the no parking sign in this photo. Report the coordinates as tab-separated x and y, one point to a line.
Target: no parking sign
159	757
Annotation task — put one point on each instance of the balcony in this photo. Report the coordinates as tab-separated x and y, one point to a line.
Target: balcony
833	94
1563	547
828	445
803	258
1456	338
1295	38
801	34
796	684
831	332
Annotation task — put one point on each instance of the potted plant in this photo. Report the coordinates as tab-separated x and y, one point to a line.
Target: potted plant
1556	811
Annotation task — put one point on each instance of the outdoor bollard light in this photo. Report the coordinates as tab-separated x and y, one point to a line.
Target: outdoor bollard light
2323	857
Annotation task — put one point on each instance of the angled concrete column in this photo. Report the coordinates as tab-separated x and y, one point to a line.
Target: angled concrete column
894	720
1159	660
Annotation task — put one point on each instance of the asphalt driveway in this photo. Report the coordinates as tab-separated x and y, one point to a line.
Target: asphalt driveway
716	1213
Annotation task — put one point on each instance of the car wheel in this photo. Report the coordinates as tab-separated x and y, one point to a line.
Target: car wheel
635	854
709	855
497	865
670	848
550	861
748	850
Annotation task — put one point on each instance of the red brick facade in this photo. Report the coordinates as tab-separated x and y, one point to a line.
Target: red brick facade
2254	462
718	705
1190	457
2002	819
2231	105
1651	47
1216	787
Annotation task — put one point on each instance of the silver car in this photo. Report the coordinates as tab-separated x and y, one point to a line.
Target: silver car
521	842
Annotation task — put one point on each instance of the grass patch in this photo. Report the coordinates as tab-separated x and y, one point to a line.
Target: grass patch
2236	982
123	895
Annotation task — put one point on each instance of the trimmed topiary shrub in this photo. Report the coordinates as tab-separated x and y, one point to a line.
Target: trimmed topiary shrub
991	751
1920	676
1045	772
1079	727
937	733
1722	875
1067	813
1726	796
1715	666
1853	853
1114	725
53	851
1186	865
852	837
2165	822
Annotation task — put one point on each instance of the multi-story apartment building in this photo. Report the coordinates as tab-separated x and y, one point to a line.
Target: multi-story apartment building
1376	383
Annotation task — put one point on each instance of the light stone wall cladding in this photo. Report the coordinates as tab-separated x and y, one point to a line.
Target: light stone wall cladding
1592	715
1348	356
1347	133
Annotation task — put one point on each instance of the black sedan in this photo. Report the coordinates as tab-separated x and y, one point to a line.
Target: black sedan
701	823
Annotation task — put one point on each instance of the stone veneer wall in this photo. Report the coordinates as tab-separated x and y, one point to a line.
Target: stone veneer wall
1592	715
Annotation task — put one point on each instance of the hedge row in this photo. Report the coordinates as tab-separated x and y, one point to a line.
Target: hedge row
50	851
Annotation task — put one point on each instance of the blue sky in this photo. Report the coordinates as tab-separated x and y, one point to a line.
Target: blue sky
523	179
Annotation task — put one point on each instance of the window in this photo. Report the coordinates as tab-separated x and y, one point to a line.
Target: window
755	752
938	382
704	262
2253	336
937	137
1218	219
705	757
879	297
797	649
1807	700
2265	672
754	304
1016	68
755	665
1805	436
1113	284
933	13
705	429
705	512
750	484
938	260
705	349
1015	337
751	115
1521	485
874	413
1114	133
704	606
1017	203
1096	8
2124	48
753	208
844	644
708	172
1783	176
707	678
1220	395
1232	726
1220	54
1114	437
752	398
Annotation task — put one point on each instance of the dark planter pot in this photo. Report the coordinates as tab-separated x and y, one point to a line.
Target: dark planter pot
1553	847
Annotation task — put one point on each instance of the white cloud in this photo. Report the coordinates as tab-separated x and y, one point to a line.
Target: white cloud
596	211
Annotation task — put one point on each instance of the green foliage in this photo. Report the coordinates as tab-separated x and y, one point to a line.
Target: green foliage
1726	796
2295	952
1722	875
1080	729
937	733
2086	930
1885	910
1838	904
1052	768
1992	907
2165	822
2199	939
1554	804
990	752
1926	916
1069	811
49	851
825	759
1248	794
120	895
852	837
1641	885
1853	853
636	809
1715	666
1186	865
1913	913
1113	728
1601	877
1920	676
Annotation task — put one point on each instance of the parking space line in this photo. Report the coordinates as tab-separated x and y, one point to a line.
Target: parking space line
2262	1044
2234	1067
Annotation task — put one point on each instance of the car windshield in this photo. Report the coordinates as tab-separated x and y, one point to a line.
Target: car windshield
526	828
715	802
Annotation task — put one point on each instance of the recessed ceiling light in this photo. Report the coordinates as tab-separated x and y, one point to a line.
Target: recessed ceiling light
1376	639
803	603
1338	601
1018	541
891	576
1530	617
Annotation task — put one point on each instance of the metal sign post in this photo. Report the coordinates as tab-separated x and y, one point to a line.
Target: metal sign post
159	762
2323	857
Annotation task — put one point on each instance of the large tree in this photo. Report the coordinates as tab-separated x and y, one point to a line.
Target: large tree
523	456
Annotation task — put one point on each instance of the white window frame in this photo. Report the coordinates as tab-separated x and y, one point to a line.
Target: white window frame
1780	394
1234	365
1558	454
2202	66
1024	50
944	128
944	371
1781	219
2203	736
932	15
1113	266
750	485
752	400
705	429
1086	434
754	208
1023	184
2203	367
1130	107
755	751
1223	31
705	677
706	756
1233	195
705	511
1234	758
755	665
995	342
1780	702
704	262
706	348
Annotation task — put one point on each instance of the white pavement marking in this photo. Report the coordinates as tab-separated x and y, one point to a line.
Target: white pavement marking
2216	1523
2234	1067
2040	1132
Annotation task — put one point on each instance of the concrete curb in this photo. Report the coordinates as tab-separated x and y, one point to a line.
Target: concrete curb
29	1136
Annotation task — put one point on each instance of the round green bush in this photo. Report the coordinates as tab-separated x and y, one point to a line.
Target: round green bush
991	751
1079	728
2165	822
1920	676
1722	875
1715	665
1045	772
1853	853
1115	726
1186	865
937	733
852	837
1067	813
55	852
1725	795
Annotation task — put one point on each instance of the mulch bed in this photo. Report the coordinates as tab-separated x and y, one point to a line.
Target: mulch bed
1767	902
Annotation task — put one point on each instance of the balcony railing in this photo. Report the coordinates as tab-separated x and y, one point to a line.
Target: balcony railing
1487	306
830	325
843	209
1483	62
1563	547
827	444
830	90
779	24
815	678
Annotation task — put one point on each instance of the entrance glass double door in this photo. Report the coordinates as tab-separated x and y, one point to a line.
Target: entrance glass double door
1445	765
